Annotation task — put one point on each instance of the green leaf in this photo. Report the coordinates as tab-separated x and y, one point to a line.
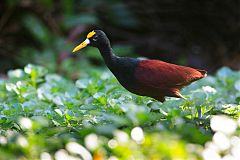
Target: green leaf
83	83
17	73
237	85
35	71
59	112
199	98
224	72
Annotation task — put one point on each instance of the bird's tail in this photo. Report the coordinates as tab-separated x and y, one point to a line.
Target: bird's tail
203	72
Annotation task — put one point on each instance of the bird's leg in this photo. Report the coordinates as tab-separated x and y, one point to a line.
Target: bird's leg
160	98
176	93
180	96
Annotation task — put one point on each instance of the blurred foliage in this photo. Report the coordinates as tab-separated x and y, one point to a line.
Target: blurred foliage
46	115
45	31
187	32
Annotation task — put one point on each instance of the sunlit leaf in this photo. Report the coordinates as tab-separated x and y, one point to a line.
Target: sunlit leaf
237	85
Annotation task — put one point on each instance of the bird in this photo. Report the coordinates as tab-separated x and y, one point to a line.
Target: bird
152	78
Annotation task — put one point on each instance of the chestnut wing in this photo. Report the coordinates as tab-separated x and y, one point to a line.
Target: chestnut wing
159	74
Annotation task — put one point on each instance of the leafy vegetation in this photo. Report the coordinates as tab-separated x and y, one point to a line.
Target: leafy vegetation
45	116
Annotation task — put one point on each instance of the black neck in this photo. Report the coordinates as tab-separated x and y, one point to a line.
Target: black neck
107	54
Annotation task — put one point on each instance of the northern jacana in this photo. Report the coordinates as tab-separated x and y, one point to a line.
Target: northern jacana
152	78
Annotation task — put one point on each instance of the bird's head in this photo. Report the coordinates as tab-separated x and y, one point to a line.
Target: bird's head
96	38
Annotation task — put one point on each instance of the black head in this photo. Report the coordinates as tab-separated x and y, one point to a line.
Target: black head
96	38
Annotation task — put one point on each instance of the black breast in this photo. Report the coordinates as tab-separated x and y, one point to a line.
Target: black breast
124	69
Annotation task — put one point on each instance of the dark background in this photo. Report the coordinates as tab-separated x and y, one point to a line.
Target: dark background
198	33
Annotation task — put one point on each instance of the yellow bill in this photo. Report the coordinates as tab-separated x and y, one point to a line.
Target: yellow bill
81	45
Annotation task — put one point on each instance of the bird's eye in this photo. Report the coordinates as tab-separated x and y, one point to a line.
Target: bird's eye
94	38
